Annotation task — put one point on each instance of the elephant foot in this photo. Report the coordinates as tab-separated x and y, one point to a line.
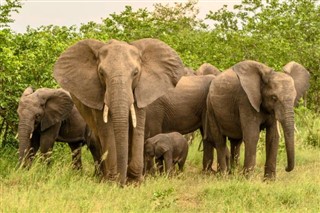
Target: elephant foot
248	174
209	171
269	176
134	179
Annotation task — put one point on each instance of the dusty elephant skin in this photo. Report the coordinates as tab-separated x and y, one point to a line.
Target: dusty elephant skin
249	97
45	116
111	81
170	148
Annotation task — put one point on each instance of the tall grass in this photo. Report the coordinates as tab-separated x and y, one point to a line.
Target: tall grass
59	188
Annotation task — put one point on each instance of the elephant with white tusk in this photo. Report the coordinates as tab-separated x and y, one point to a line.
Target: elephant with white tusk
111	82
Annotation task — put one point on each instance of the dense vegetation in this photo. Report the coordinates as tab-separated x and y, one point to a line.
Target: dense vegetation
273	32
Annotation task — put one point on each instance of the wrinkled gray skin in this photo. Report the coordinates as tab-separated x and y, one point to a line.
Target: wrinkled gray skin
170	148
183	109
111	82
249	97
45	116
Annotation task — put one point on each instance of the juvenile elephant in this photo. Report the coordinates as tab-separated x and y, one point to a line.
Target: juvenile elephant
170	148
249	97
108	83
45	116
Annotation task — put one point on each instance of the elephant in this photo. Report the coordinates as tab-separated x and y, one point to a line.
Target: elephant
45	116
170	148
249	97
182	109
109	81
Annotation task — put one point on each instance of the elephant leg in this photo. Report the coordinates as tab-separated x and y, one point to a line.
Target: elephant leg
108	156
35	145
159	163
207	159
135	167
250	138
168	162
222	155
235	145
149	164
94	150
76	154
181	163
272	144
47	140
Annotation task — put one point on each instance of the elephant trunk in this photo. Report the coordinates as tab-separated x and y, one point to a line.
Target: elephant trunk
120	117
288	128
24	137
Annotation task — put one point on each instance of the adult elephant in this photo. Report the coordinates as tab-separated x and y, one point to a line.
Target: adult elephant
182	109
251	96
45	116
108	82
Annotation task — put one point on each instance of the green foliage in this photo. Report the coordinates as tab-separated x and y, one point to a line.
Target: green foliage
271	31
274	32
6	9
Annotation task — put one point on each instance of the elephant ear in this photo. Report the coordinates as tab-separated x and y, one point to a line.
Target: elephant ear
161	148
76	72
27	91
300	77
252	75
161	69
57	106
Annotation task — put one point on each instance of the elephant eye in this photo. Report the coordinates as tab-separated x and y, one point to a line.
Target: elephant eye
100	72
135	72
274	98
37	116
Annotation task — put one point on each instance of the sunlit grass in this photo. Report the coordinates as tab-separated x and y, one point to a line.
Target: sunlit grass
59	188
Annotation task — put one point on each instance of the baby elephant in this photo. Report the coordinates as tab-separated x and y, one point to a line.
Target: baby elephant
171	148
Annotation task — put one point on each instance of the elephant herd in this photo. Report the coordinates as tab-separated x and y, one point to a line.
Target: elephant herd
131	102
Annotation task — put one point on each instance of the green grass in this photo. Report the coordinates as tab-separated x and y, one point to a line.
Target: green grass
58	188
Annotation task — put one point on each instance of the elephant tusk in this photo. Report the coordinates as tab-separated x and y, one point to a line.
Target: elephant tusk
105	113
30	135
17	135
133	116
296	129
278	129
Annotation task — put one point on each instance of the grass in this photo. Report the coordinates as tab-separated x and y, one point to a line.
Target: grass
58	188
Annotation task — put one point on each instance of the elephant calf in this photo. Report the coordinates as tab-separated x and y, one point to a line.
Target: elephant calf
45	116
170	148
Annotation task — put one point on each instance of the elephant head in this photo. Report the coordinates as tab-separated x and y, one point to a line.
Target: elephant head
39	110
208	69
155	149
114	77
275	93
